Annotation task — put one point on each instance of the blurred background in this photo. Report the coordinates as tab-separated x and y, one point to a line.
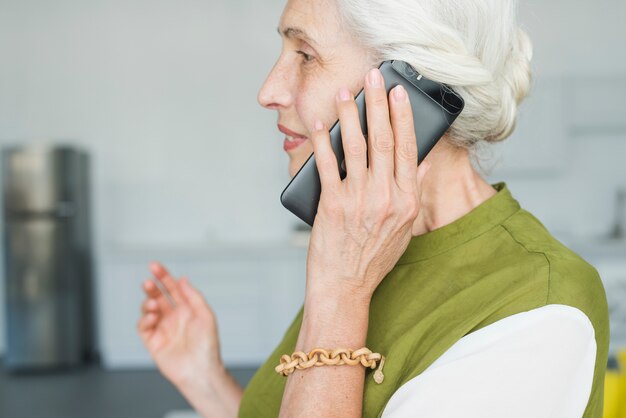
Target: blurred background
153	104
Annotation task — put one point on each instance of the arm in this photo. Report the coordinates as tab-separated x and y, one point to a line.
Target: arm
217	396
362	227
538	363
328	322
179	329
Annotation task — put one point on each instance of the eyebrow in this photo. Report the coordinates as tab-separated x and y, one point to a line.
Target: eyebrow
292	32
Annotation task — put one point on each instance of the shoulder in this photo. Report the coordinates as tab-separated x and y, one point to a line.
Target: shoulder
528	233
569	275
545	329
517	361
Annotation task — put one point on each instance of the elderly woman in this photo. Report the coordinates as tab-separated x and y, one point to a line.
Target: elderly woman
476	308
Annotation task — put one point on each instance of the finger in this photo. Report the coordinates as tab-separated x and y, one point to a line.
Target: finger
147	322
196	300
379	133
422	170
150	305
170	284
153	292
325	158
150	289
405	150
354	145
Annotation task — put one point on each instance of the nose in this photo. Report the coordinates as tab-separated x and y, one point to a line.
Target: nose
278	89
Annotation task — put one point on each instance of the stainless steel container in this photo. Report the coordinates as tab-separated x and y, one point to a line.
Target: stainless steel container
47	257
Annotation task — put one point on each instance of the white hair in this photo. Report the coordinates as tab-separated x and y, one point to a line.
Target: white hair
474	46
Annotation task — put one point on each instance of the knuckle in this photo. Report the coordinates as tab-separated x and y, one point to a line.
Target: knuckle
383	142
403	117
379	100
356	150
410	209
407	150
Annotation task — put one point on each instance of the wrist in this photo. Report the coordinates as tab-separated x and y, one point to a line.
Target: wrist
335	303
203	382
331	291
331	320
214	394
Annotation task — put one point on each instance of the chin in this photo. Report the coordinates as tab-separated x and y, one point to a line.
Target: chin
293	169
295	163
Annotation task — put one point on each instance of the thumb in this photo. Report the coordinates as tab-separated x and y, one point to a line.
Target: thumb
422	169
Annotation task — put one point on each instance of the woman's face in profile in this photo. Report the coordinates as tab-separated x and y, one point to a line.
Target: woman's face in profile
318	57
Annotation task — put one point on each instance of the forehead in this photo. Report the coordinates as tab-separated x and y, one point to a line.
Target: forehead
315	21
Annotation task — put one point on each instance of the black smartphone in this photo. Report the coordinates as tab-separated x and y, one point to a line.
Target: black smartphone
435	106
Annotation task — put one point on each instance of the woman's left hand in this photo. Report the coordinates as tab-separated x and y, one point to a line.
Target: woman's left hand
363	223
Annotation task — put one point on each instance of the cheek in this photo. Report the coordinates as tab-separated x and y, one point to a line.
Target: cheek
316	103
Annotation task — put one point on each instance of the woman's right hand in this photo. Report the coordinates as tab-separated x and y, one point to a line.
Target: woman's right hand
183	340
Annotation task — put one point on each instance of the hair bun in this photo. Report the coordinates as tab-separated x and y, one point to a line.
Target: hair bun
517	76
476	47
517	71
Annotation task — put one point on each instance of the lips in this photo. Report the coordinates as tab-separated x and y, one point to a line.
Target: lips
293	139
291	144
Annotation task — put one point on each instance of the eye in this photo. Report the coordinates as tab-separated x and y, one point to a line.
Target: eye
307	57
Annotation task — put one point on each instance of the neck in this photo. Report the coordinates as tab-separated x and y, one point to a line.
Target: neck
451	188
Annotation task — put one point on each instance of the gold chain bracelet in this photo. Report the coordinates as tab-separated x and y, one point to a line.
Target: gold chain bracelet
337	357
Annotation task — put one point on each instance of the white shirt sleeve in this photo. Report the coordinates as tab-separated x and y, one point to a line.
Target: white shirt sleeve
538	364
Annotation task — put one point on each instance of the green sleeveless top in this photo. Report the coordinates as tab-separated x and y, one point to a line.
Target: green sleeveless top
495	261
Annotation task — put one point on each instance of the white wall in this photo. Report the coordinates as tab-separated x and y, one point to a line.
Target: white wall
564	162
163	95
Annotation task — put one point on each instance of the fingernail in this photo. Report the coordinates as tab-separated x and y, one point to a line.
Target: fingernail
318	125
344	94
374	77
399	93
